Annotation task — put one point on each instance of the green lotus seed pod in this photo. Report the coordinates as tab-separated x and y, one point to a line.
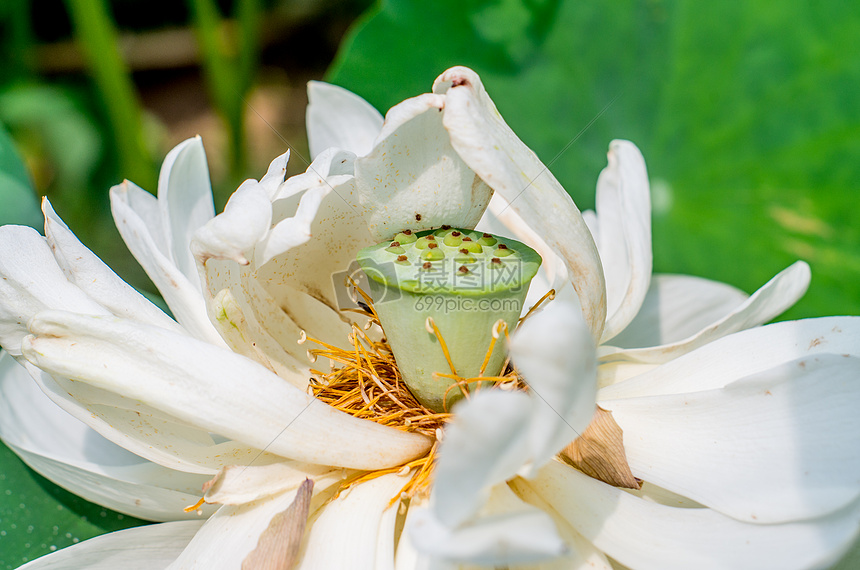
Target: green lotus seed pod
487	240
472	246
406	236
452	240
425	281
464	257
421	243
432	254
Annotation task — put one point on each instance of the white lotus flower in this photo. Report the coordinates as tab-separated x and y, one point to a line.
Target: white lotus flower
746	439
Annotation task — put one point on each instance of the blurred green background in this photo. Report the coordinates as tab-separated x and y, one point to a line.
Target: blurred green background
748	115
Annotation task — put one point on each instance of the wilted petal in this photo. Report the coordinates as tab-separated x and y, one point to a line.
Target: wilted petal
773	447
61	448
228	536
83	268
647	535
554	353
152	547
339	118
134	212
490	148
278	546
31	281
599	452
413	178
742	354
677	307
213	389
185	201
624	230
770	301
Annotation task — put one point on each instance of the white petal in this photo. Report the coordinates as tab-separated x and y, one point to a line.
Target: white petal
646	535
339	118
501	220
83	268
31	281
185	201
742	354
239	484
554	353
773	447
484	444
232	532
276	174
356	518
489	147
508	531
234	233
677	307
624	221
413	178
152	547
771	300
132	208
145	431
243	333
213	389
609	373
318	231
70	454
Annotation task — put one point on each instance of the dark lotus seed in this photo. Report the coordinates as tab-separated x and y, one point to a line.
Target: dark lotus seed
427	265
446	227
401	258
467	238
495	260
431	237
395	244
455	233
463	269
432	245
407	232
487	235
502	246
464	250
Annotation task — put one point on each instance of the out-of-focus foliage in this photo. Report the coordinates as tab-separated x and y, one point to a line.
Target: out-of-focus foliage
747	114
16	192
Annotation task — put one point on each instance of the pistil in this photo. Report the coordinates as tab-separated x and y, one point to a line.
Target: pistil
440	306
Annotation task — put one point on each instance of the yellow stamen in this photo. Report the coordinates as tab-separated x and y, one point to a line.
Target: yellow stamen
431	327
493	339
549	295
195	506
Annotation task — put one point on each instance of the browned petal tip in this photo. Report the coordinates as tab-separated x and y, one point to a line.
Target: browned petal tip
599	452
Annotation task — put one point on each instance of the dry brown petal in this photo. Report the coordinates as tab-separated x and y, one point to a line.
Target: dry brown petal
278	546
599	452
